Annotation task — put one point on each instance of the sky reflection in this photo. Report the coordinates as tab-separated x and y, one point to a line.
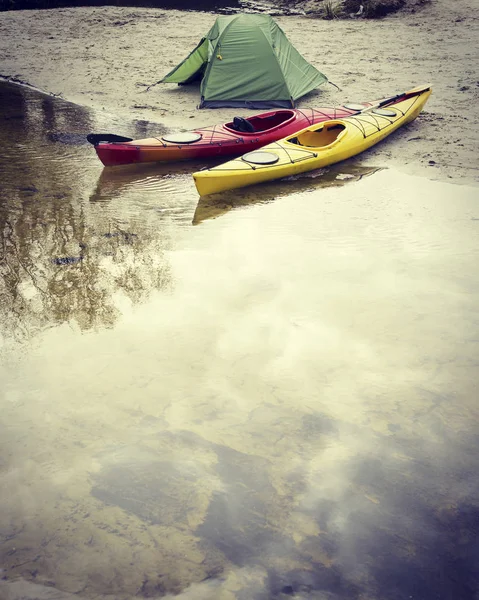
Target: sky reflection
279	401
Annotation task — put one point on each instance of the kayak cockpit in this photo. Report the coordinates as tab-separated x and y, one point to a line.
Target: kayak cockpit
261	123
319	137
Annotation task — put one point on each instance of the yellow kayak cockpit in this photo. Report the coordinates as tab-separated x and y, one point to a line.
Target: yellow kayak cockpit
319	137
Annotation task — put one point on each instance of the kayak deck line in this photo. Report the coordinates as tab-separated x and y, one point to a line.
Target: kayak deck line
357	118
359	121
222	130
234	137
316	146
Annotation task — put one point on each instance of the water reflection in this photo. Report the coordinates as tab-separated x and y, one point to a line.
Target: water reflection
170	182
290	412
133	181
64	260
215	205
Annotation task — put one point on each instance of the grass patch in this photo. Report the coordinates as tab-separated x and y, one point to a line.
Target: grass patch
332	9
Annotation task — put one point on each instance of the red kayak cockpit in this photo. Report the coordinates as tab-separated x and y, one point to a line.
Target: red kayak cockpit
261	123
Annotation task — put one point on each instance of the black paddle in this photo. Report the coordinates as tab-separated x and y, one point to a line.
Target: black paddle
413	92
96	138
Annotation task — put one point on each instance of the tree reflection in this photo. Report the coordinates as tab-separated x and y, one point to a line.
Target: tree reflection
62	258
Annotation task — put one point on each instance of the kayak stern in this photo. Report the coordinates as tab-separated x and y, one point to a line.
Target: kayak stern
118	154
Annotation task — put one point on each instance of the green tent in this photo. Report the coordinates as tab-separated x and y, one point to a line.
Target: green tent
246	60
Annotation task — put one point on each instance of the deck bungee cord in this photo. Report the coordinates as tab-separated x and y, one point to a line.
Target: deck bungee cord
317	146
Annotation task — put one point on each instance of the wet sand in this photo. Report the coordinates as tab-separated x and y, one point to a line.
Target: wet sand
106	57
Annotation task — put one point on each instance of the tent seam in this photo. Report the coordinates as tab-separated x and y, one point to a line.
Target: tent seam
210	63
279	64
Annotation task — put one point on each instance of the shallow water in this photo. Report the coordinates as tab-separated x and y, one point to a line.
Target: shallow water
217	6
263	395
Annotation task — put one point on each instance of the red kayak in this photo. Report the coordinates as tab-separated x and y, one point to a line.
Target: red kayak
229	139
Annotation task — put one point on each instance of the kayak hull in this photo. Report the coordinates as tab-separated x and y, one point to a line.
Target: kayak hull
217	140
316	146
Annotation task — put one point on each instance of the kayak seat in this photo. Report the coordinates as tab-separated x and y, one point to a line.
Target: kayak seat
242	124
263	123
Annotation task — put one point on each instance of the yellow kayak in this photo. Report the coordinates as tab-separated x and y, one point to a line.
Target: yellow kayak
315	146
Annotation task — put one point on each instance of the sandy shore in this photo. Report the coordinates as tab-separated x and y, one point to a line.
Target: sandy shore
106	57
